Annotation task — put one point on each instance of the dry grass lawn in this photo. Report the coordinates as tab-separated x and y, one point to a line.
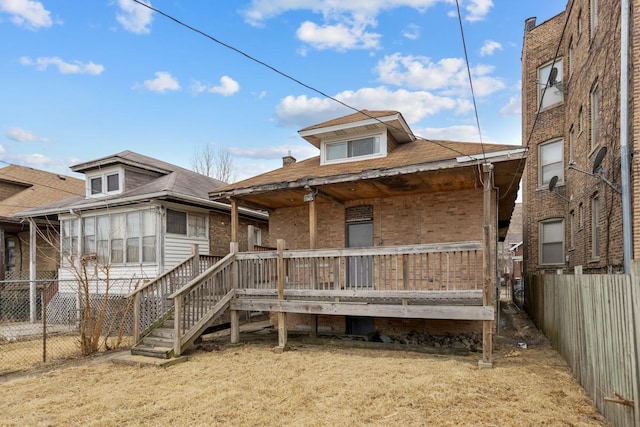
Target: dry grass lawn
310	386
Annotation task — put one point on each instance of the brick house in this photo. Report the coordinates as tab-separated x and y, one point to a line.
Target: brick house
22	188
137	218
382	212
571	122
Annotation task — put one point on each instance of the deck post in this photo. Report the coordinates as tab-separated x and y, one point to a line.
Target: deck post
177	333
487	325
313	244
195	268
234	220
251	238
136	318
234	318
282	316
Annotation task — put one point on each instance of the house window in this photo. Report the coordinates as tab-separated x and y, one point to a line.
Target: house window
120	238
580	120
580	216
570	57
69	243
10	254
551	162
579	24
593	11
572	229
552	241
257	236
595	226
356	149
549	92
595	116
186	224
105	182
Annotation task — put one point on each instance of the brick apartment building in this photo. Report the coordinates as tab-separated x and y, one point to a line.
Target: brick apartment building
569	114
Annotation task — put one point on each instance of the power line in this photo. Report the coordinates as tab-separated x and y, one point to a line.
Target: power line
290	77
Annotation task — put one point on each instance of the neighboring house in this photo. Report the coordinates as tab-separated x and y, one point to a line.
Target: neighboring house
137	218
510	250
385	219
24	188
573	127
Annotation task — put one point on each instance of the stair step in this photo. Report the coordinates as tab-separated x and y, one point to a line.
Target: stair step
162	333
157	341
149	351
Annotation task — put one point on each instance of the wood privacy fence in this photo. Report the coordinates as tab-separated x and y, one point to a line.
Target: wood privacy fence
593	320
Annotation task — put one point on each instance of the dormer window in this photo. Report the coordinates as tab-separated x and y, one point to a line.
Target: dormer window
105	182
360	148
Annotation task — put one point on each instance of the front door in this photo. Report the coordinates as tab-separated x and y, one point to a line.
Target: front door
360	273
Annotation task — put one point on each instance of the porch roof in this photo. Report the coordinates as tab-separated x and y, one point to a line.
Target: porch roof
416	167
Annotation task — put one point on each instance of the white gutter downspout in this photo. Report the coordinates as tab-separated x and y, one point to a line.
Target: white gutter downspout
627	231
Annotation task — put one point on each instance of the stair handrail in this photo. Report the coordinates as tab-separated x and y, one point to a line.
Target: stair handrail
181	337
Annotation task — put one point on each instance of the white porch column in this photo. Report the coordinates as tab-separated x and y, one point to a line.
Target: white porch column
33	297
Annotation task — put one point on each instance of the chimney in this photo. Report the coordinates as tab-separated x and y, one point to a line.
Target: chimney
288	160
529	24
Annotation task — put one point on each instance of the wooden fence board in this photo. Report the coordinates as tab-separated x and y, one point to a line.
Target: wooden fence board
593	322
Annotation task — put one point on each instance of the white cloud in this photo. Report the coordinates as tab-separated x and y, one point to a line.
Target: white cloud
448	75
303	111
478	9
513	107
134	17
489	47
340	37
227	87
74	67
412	32
163	82
22	135
452	133
27	13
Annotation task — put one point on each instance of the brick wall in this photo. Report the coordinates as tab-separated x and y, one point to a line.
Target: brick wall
590	59
220	232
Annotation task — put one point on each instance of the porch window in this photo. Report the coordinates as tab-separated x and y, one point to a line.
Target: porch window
551	162
69	243
552	241
10	257
549	92
176	222
356	149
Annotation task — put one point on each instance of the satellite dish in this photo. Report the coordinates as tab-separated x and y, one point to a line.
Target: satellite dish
553	76
597	162
553	182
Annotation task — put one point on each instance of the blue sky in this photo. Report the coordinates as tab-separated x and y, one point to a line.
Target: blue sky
83	82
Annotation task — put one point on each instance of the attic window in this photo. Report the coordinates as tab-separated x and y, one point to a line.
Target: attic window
103	183
354	149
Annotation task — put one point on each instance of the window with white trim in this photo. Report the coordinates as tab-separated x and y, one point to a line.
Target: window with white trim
186	224
369	146
10	253
105	182
552	241
572	229
257	236
550	92
593	14
572	140
551	162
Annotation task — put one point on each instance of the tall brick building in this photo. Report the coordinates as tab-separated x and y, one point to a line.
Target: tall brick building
570	110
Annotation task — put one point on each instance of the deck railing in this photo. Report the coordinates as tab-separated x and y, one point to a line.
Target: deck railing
434	267
151	305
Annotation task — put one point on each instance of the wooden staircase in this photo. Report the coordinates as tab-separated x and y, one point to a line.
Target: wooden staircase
172	311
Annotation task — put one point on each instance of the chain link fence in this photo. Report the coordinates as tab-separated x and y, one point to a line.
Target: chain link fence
44	322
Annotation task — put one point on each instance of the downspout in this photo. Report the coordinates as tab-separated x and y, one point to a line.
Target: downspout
627	231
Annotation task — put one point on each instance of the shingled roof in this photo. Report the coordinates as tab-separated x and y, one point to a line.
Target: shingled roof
23	188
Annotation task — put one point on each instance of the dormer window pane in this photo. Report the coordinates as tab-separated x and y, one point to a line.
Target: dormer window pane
337	151
96	185
364	147
113	182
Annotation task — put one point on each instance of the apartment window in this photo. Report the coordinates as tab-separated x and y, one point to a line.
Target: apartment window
552	241
595	226
579	23
571	144
356	149
572	229
10	253
580	120
104	182
571	57
551	161
595	116
257	236
593	11
580	216
549	91
186	224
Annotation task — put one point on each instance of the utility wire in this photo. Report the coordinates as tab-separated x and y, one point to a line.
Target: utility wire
473	96
290	77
